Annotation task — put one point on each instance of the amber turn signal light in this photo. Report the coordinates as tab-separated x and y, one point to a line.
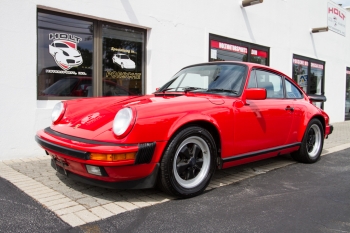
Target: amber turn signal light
112	157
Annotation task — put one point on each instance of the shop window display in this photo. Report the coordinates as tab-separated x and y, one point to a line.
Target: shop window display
227	49
67	64
65	55
308	73
122	59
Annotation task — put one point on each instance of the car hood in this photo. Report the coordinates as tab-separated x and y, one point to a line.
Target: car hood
91	117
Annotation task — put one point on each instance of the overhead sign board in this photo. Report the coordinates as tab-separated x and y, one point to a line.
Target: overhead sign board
336	17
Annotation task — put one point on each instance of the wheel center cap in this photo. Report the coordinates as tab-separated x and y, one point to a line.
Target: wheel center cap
192	162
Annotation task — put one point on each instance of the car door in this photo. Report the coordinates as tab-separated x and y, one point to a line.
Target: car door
264	124
299	108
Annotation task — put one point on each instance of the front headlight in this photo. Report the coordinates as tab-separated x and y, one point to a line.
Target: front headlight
122	121
57	112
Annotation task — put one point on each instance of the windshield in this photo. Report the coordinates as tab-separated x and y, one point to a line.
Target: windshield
227	78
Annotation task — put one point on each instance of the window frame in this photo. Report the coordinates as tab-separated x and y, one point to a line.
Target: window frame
97	58
311	60
240	43
283	87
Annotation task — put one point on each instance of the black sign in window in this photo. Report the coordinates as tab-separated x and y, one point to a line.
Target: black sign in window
69	65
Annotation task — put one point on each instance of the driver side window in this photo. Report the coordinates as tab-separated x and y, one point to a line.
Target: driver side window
273	84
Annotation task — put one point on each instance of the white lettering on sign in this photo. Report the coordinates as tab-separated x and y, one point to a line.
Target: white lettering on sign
318	66
64	36
254	52
65	72
348	72
300	62
232	47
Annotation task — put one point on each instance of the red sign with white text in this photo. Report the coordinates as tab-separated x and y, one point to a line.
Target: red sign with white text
228	47
300	62
259	53
318	66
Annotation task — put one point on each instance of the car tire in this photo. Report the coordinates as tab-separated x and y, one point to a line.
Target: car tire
188	163
312	143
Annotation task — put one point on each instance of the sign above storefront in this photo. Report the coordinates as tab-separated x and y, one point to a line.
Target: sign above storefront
228	47
300	62
336	17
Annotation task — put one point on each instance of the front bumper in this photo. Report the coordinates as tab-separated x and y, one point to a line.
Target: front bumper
143	183
70	155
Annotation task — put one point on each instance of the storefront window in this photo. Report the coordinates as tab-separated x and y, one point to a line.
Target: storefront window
67	49
316	77
65	56
122	60
227	52
226	49
308	73
258	56
347	95
300	72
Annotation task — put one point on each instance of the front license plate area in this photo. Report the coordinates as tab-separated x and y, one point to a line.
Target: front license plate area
58	166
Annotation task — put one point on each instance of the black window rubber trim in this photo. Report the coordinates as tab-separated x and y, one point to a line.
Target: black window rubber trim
48	130
63	150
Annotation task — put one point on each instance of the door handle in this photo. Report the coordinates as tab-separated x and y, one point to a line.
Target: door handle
288	108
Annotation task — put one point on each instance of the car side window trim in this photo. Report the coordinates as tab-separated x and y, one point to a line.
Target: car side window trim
252	79
292	86
271	72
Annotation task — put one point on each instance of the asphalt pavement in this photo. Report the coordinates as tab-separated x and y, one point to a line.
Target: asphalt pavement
21	213
292	197
296	198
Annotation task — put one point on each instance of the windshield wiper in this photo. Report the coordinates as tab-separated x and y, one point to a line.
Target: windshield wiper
193	88
223	90
185	89
167	89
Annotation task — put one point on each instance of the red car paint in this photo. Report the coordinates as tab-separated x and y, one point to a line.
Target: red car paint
243	126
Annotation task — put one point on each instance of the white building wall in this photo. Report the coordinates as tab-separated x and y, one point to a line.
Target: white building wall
178	35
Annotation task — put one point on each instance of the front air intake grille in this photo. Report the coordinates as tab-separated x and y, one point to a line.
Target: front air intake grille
145	153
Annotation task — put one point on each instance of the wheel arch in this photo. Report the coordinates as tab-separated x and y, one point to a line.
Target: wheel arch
209	126
318	117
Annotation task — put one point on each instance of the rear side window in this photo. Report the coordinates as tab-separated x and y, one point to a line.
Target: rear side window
292	92
273	84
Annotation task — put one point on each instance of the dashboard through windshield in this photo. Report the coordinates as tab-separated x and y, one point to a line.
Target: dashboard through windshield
218	78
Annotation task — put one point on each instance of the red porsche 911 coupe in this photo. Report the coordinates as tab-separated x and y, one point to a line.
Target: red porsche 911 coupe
208	116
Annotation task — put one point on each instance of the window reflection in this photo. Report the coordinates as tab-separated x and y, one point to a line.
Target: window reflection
122	60
65	55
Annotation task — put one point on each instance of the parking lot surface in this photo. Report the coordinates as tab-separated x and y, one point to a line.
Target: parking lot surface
77	204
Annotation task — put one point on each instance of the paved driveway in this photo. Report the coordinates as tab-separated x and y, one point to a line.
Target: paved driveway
77	204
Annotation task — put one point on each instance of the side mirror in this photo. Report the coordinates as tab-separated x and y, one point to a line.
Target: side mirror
255	93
